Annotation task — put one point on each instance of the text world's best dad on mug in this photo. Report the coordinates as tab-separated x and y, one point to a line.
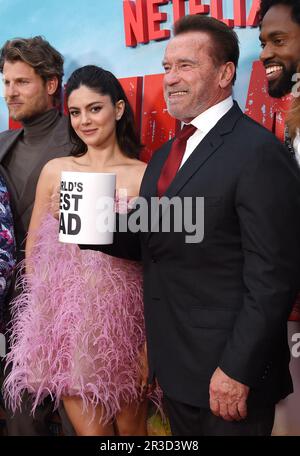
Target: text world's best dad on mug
87	209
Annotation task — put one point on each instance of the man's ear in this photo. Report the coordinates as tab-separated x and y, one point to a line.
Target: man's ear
52	84
227	74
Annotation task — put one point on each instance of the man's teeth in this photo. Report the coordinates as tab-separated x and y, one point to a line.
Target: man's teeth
274	68
177	93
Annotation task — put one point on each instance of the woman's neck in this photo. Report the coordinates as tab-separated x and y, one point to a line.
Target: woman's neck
96	158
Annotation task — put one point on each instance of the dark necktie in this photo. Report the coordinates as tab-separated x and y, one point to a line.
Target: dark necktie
174	158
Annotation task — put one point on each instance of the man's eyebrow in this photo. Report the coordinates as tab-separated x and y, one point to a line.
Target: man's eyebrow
273	34
185	59
20	78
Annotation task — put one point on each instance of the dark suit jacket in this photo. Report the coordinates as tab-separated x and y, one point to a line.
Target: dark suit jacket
224	301
55	144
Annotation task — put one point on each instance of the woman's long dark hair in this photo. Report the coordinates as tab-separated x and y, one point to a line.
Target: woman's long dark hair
105	83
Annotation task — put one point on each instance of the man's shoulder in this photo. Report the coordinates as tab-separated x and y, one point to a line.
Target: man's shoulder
13	133
7	138
257	145
255	128
244	125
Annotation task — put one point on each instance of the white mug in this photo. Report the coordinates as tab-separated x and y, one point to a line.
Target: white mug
87	207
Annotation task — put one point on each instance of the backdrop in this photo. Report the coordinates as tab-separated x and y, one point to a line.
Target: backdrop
128	38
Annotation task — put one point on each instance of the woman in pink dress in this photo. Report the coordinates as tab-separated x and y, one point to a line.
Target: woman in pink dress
78	325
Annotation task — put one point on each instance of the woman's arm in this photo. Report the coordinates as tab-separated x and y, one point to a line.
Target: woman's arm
48	181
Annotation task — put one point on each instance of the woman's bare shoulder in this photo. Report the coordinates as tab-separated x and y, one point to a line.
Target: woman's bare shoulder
131	176
51	172
59	164
138	165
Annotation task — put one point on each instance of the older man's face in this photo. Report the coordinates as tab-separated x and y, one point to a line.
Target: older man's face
191	81
280	40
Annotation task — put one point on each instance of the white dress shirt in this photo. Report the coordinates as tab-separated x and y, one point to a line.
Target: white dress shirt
296	146
204	123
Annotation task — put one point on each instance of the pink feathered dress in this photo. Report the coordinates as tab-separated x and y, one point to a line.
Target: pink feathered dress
78	327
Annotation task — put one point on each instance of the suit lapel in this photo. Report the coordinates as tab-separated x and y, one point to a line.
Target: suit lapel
6	142
200	155
208	146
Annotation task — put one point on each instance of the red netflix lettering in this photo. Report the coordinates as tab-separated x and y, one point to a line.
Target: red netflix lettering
135	22
178	9
216	10
252	20
197	8
154	19
239	12
142	18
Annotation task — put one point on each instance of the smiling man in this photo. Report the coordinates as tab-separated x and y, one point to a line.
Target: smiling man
216	310
280	40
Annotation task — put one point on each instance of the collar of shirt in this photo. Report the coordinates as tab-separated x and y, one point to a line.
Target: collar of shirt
296	146
204	123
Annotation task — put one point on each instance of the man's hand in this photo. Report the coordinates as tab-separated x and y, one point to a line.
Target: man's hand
227	397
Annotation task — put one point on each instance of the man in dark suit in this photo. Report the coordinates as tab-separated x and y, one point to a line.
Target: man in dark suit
216	311
32	75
